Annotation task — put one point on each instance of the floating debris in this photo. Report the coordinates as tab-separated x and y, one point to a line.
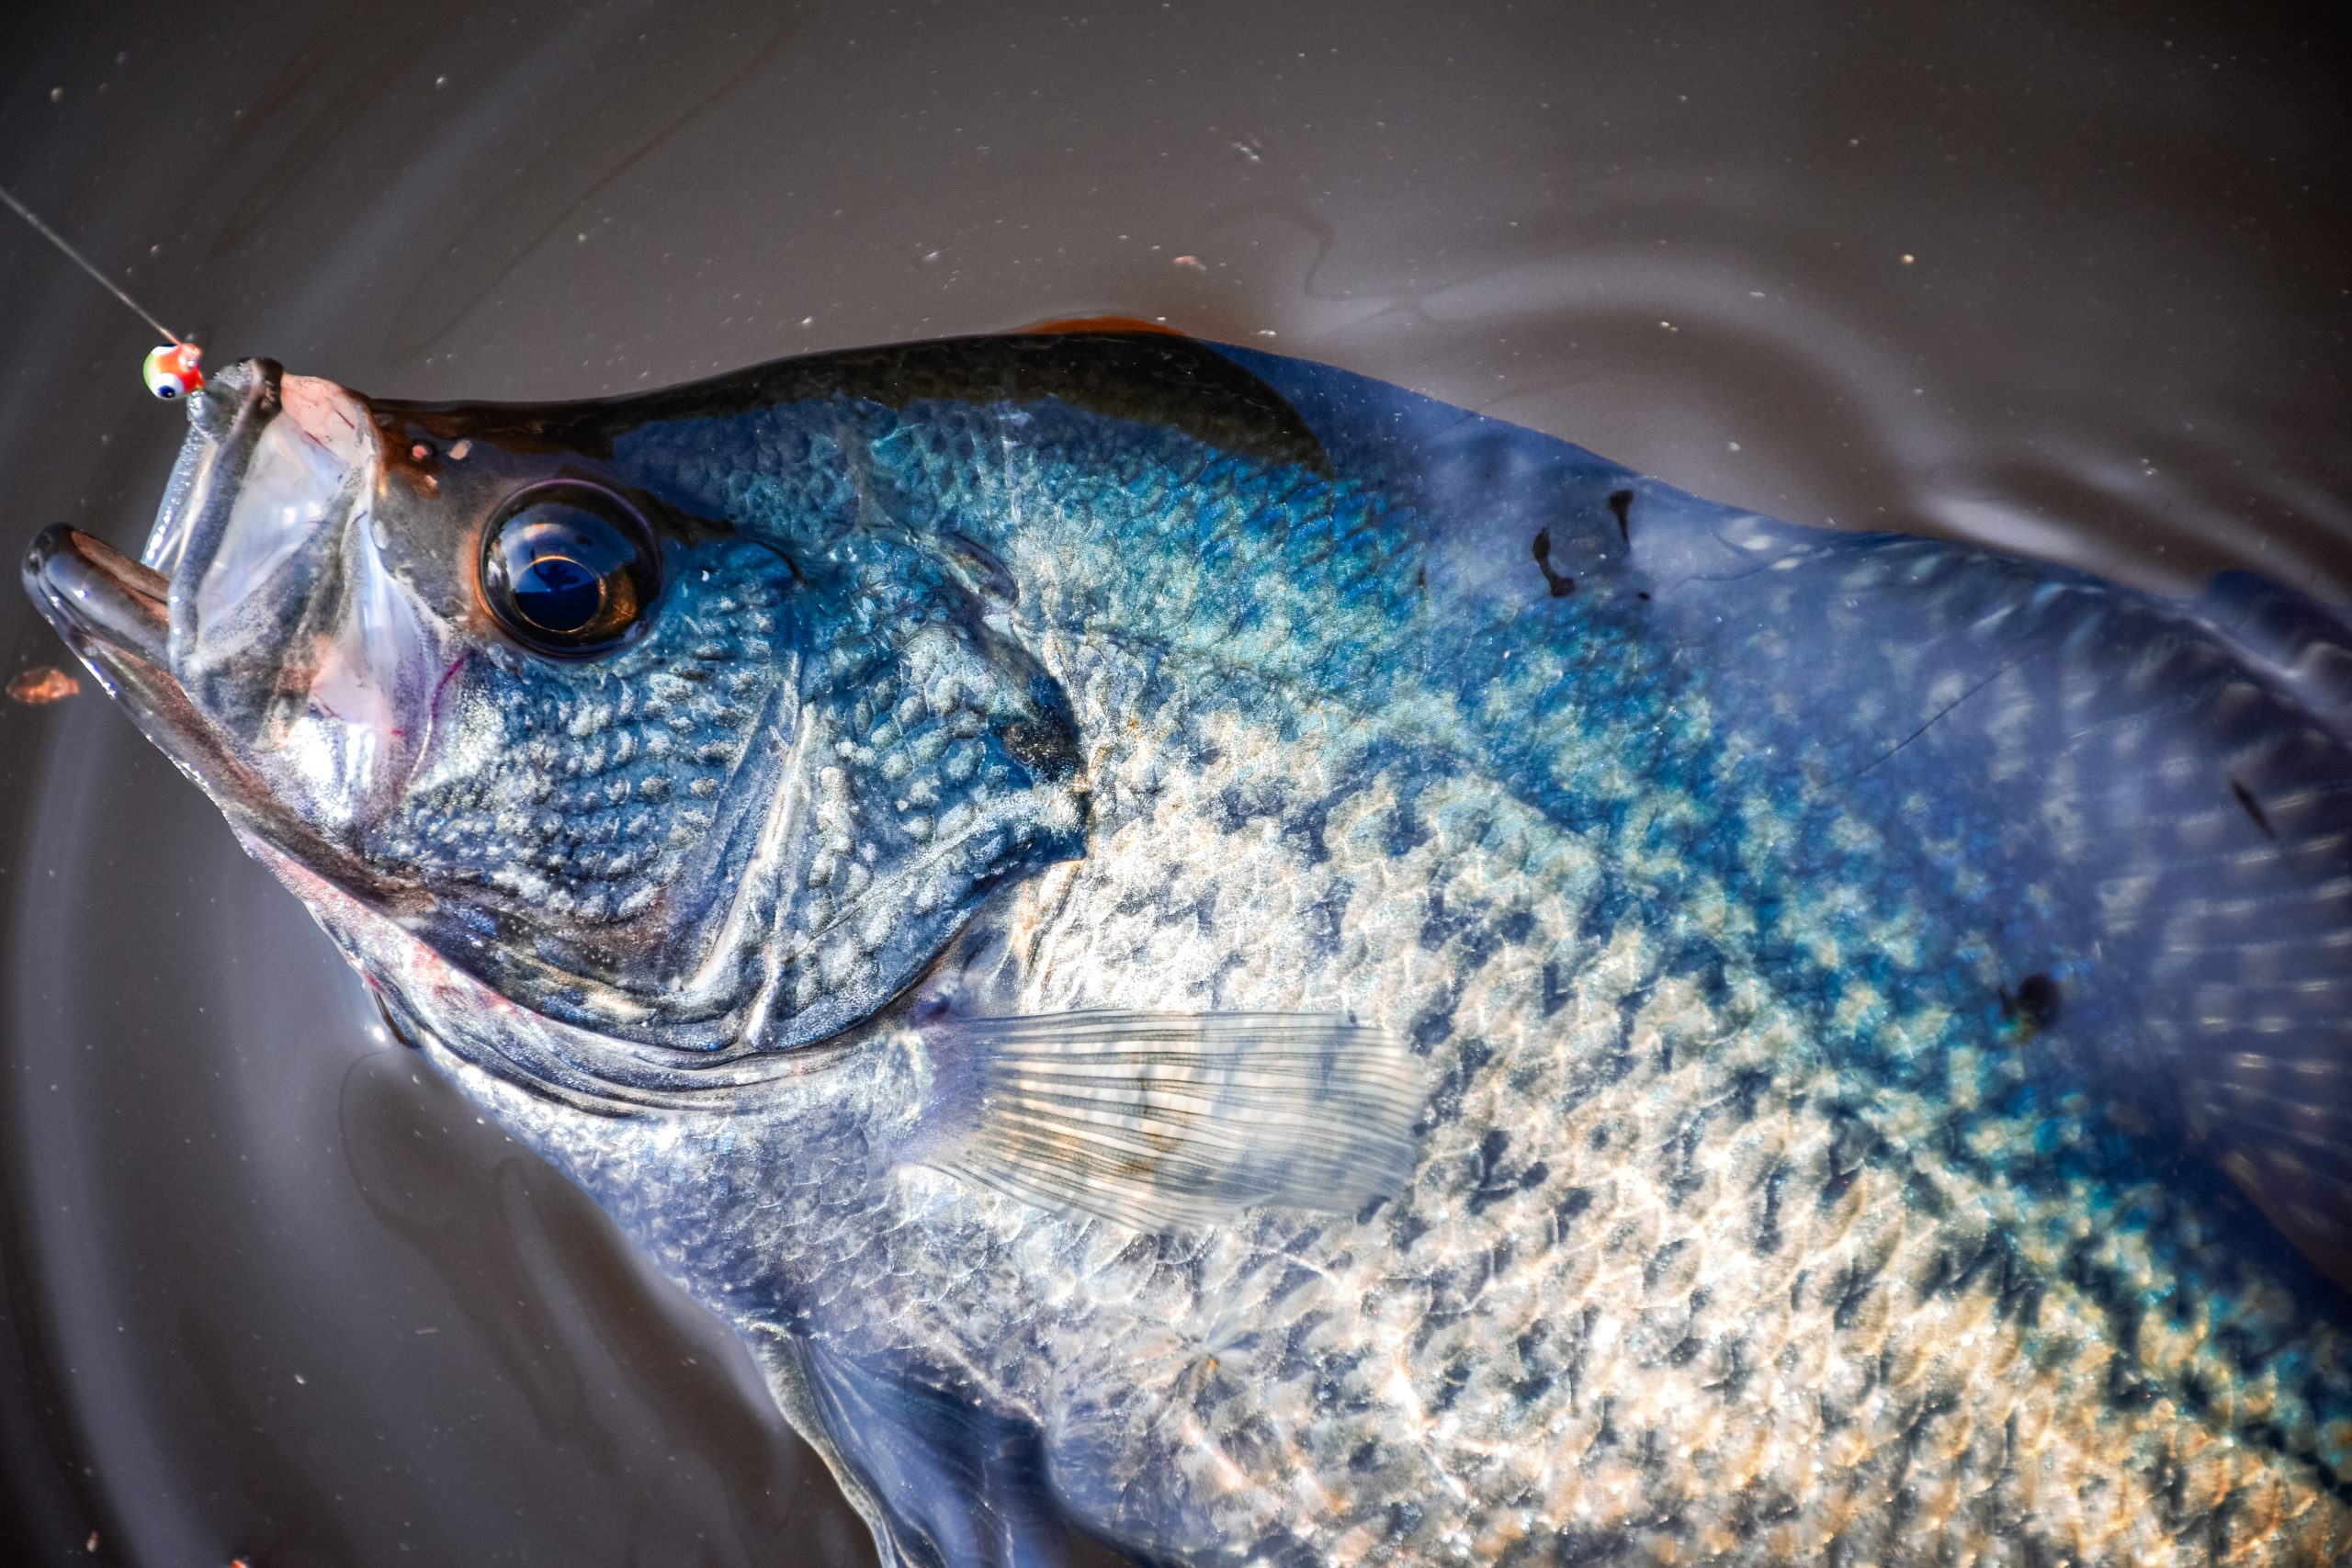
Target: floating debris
43	684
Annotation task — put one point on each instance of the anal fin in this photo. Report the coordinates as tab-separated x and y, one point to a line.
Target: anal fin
1161	1120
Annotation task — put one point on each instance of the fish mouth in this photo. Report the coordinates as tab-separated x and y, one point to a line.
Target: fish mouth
117	615
109	608
115	612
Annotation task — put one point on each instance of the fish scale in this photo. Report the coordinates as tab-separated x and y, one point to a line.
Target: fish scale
1809	953
1846	1331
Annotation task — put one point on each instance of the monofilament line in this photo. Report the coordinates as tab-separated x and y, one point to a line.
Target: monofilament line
54	238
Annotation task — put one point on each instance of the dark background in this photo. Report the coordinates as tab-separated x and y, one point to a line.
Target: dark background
2071	278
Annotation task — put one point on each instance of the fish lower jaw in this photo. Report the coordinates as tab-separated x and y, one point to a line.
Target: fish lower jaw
99	600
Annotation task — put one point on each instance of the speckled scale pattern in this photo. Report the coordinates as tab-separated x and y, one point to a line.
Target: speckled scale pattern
602	771
918	726
2177	796
1750	1224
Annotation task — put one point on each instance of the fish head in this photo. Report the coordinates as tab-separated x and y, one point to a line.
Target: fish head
558	700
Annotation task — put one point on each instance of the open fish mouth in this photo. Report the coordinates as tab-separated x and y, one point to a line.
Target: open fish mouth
115	612
142	626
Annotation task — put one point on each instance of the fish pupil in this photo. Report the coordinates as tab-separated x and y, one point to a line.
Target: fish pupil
559	594
569	569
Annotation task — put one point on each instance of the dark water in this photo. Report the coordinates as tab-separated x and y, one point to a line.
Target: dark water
2072	279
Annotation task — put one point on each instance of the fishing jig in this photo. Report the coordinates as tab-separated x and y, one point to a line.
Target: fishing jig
172	370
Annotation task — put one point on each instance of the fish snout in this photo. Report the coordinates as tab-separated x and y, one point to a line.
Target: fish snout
264	620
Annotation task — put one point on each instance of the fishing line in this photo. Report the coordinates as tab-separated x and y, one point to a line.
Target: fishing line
78	259
172	370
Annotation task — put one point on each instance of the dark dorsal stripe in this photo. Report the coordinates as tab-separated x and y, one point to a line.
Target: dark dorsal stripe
1157	378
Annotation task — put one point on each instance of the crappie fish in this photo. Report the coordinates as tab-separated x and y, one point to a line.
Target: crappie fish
1210	957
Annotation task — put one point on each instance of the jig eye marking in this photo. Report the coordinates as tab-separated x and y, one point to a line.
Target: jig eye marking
171	370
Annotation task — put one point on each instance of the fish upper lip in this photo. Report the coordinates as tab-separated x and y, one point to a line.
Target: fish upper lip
190	530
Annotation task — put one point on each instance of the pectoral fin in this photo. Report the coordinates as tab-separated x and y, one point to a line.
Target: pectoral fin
1160	1120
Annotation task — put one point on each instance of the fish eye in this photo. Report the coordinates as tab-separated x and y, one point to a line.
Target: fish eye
569	569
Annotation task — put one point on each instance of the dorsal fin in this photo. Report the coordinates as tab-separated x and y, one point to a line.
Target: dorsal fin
2292	637
1053	325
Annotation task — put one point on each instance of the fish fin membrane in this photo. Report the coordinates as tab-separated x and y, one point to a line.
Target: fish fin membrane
1055	324
2301	643
2252	967
1158	1121
946	1483
2148	801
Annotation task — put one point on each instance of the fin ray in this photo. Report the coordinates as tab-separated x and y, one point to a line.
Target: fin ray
945	1483
1160	1120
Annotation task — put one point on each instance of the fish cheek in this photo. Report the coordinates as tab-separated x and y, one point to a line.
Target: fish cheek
757	821
565	795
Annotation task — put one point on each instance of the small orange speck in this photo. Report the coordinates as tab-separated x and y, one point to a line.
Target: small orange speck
1195	262
41	685
1908	258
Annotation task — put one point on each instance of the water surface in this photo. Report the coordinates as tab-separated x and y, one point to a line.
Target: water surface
2068	278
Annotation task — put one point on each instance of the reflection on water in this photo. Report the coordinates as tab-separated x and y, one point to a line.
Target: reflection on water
2062	279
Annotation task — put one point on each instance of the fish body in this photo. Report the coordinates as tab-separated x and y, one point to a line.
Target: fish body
1207	954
